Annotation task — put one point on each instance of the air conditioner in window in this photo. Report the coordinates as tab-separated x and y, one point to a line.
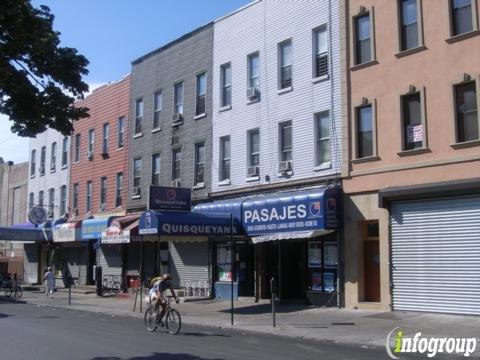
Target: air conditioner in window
284	166
175	183
89	155
253	93
253	171
102	207
177	119
136	191
41	169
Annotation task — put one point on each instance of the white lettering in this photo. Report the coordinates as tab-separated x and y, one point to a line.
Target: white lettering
450	345
166	228
264	214
471	346
248	215
291	212
432	347
273	214
302	211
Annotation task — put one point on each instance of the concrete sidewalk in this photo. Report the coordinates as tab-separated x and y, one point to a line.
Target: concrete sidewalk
367	328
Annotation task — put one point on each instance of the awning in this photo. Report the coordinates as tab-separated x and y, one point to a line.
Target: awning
92	228
24	234
229	206
290	236
291	214
186	223
121	230
67	232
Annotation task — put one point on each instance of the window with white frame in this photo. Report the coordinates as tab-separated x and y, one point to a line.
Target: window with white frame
64	152
176	163
285	64
254	147
178	98
53	156
461	16
91	140
156	169
254	71
137	173
466	107
226	85
103	193
409	13
88	204
41	198
201	94
120	131
51	201
322	127
363	40
157	108
77	147
76	191
320	43
225	158
118	189
106	135
63	199
138	116
199	164
33	162
285	137
43	155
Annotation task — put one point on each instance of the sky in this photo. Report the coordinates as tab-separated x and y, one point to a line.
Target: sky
112	33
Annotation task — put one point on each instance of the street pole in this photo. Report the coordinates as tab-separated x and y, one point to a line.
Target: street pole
232	252
141	274
274	310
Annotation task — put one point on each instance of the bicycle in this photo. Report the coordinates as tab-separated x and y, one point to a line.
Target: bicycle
15	291
173	321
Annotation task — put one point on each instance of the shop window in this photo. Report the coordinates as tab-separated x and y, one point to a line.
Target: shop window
323	265
224	262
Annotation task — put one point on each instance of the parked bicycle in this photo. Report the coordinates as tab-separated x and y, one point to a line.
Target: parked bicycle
172	319
15	291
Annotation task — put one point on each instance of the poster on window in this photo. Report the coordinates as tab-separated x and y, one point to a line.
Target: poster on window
328	282
224	256
315	254
330	255
224	273
317	281
414	133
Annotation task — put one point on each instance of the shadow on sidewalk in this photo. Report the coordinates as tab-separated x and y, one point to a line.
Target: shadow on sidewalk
162	356
267	309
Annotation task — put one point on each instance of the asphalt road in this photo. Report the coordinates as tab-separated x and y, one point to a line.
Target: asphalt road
39	332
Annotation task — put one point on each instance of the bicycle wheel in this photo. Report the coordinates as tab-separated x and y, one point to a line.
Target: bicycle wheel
18	292
150	319
8	292
173	322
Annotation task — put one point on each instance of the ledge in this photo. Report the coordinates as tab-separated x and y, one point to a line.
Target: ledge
64	167
324	166
363	65
466	144
285	90
252	178
224	182
225	108
254	101
413	152
156	130
467	35
198	186
414	50
365	159
136	197
200	116
320	79
139	135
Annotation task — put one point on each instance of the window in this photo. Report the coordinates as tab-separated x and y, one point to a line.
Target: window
121	131
285	134
320	44
322	125
138	116
53	157
199	164
466	111
137	172
363	41
285	64
76	190
118	189
364	131
201	94
157	108
77	147
254	71
254	148
89	196
156	169
461	15
409	34
64	151
225	158
40	198
226	79
31	200
43	155
106	134
91	139
33	162
412	126
103	193
63	199
176	163
178	98
51	201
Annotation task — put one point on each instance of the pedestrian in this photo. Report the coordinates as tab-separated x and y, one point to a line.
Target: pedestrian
49	282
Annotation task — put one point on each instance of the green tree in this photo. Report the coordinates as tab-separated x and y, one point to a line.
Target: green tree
39	80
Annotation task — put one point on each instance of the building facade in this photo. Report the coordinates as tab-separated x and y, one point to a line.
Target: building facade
412	175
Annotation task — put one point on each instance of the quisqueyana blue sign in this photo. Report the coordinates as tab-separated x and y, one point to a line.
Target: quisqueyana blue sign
169	198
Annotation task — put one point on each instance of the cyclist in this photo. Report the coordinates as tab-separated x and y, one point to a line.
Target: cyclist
158	294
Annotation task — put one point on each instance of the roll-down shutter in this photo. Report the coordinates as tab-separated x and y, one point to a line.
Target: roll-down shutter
435	251
189	261
111	259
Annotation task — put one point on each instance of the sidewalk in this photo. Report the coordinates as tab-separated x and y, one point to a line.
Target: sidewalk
367	328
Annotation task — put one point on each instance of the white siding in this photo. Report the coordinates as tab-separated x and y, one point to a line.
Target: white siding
50	179
260	27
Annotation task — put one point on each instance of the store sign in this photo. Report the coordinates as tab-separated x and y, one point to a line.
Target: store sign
92	228
170	198
66	232
148	223
114	235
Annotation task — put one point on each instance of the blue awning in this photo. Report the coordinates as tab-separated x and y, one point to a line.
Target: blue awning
185	223
92	228
229	206
24	234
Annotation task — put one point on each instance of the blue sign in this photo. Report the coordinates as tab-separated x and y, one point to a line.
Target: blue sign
303	211
148	223
92	228
18	234
169	198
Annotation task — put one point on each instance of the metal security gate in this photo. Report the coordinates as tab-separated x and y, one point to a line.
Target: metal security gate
31	252
111	259
435	249
190	262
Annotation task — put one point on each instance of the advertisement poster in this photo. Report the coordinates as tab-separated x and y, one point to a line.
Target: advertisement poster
329	282
414	133
330	255
317	281
224	273
315	254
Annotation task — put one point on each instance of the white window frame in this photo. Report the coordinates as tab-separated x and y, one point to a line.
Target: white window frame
157	109
76	191
178	101
324	164
63	199
65	148
155	170
282	64
198	163
53	156
91	140
317	54
89	197
224	159
251	153
118	189
282	149
103	192
78	139
137	177
224	86
106	135
138	125
250	77
198	95
175	152
33	162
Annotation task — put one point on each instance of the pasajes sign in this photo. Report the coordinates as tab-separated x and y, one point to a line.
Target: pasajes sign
305	211
170	198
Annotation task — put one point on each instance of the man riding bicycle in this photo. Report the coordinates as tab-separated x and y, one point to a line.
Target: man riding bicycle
158	294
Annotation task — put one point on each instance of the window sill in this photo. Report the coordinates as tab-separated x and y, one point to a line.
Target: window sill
119	148
365	159
53	170
136	197
200	116
324	166
198	186
156	130
285	174
224	182
64	167
225	108
139	135
32	176
319	79
414	50
466	144
252	178
363	65
253	101
285	90
419	151
467	35
42	175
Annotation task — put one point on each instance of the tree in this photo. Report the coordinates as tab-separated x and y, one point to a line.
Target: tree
39	80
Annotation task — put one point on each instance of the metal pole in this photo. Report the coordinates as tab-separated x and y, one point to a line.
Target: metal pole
141	274
274	310
70	292
232	251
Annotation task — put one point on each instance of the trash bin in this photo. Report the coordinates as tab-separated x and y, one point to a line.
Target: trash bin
98	280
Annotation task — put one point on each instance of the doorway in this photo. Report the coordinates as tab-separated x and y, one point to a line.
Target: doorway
371	257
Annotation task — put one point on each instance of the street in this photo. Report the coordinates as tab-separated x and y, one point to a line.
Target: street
41	332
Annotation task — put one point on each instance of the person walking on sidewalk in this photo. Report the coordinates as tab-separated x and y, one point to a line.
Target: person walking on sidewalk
49	282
